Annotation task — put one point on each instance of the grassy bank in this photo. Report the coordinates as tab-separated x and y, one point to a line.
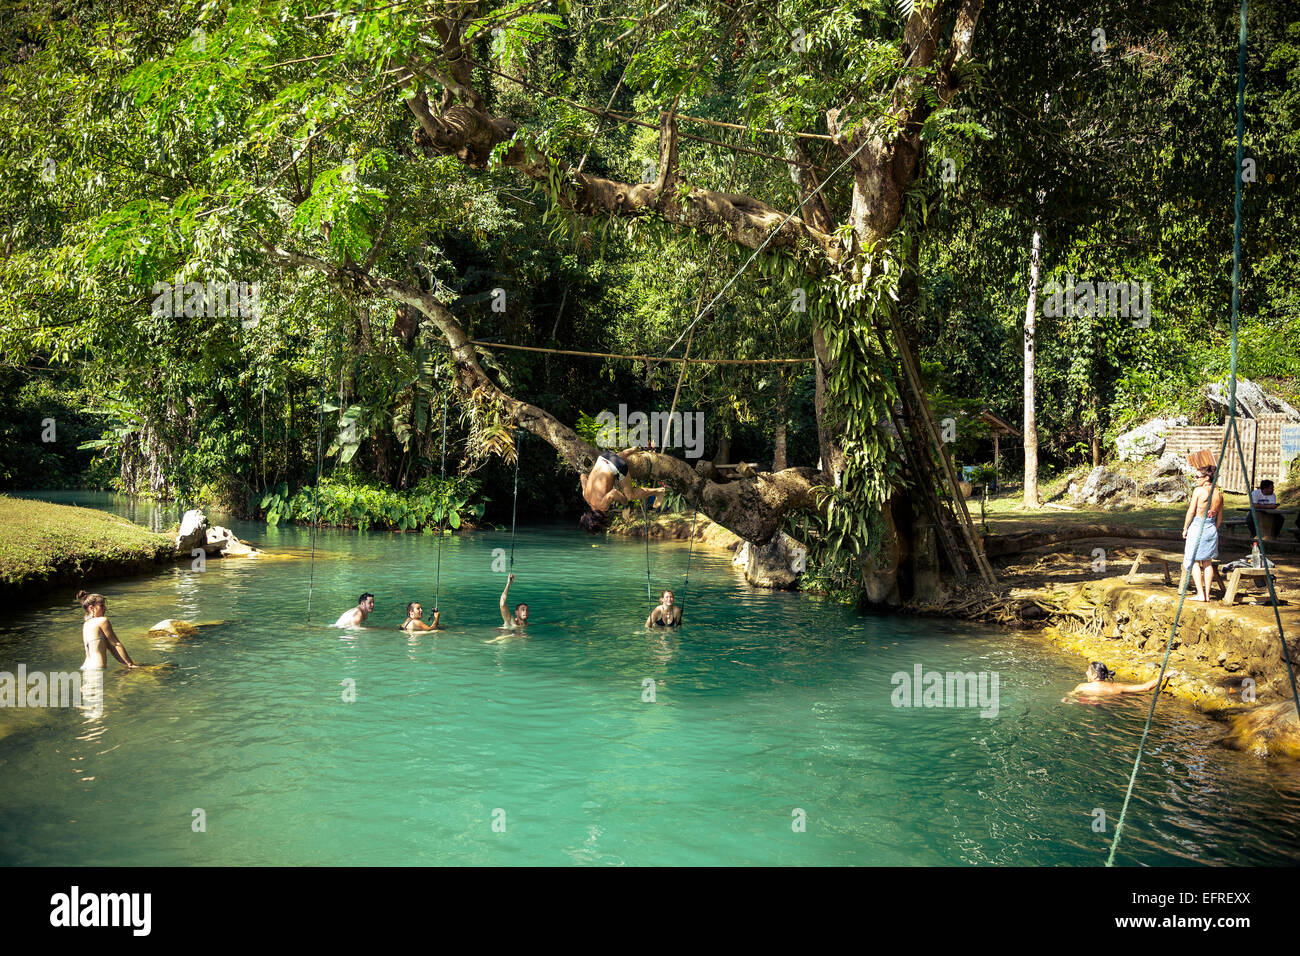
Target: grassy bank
43	546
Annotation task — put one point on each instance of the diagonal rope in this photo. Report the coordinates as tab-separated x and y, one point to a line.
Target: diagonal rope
315	493
514	504
1231	430
772	235
437	587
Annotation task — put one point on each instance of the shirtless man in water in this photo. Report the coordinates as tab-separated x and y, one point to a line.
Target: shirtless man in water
607	484
1101	683
357	616
97	634
665	614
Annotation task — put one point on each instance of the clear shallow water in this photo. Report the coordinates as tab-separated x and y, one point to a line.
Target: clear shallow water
766	702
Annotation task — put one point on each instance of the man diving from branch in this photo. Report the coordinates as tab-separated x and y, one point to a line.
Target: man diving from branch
607	484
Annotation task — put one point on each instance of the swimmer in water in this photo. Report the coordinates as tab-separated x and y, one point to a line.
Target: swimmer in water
1101	683
415	618
97	634
519	618
665	614
357	616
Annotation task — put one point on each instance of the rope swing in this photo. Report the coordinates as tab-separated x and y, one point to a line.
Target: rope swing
514	503
315	493
437	586
1230	431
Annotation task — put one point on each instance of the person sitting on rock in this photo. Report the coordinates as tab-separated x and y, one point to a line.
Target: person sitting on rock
1101	683
1264	499
665	614
415	618
357	616
607	484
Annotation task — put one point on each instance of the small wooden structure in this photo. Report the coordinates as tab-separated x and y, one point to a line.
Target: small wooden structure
997	427
1269	443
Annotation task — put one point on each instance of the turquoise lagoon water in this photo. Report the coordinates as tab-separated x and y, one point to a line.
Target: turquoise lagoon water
771	739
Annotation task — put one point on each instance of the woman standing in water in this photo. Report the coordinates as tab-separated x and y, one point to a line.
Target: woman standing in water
97	633
1201	529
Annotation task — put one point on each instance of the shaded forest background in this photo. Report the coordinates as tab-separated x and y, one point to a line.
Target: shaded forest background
1120	151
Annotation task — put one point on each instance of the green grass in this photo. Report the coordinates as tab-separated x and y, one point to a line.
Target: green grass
46	543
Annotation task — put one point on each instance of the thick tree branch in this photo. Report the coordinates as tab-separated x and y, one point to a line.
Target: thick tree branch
471	135
752	508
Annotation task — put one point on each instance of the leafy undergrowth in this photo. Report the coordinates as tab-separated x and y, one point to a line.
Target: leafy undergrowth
353	503
40	541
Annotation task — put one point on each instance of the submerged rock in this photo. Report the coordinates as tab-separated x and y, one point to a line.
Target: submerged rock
1268	731
172	628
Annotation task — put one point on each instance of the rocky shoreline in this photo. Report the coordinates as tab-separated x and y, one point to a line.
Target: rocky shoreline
78	559
1227	663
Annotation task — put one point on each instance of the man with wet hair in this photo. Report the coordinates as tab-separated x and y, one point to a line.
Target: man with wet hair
607	484
357	616
665	614
516	618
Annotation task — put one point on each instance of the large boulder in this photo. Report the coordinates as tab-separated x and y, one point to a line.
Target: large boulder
1147	439
1268	731
1105	487
776	564
1164	490
222	541
193	533
1172	463
1252	401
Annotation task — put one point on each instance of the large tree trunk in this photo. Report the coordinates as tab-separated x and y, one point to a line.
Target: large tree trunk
883	154
1031	423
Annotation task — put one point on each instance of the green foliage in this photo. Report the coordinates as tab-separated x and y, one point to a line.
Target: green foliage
349	502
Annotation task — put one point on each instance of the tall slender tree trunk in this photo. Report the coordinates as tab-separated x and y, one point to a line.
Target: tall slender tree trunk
778	450
1096	433
1031	422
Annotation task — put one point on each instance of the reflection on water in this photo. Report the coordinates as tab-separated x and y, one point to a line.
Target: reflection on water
592	740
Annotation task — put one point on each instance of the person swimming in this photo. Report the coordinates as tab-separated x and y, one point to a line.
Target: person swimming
97	634
415	618
357	616
1101	683
516	618
607	484
665	613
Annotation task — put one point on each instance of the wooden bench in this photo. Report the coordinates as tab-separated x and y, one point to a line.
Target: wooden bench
1151	556
1235	576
